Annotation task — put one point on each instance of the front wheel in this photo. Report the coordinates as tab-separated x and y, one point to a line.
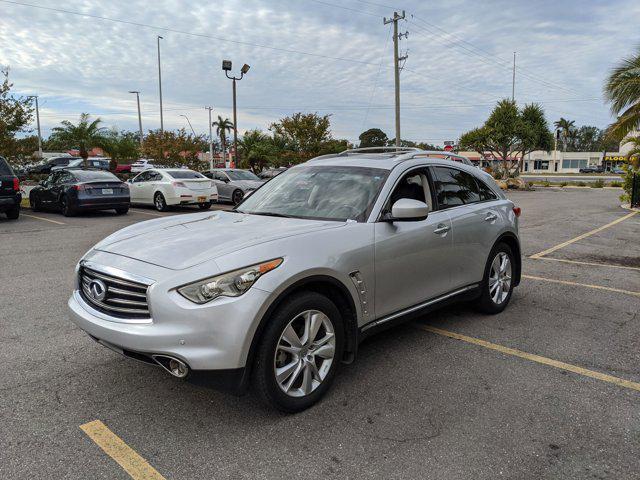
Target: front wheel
66	209
300	352
497	285
237	196
159	202
35	204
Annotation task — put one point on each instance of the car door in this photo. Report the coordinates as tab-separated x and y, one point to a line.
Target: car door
137	187
222	184
47	196
412	258
475	220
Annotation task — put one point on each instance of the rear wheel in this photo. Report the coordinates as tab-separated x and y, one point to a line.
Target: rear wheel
497	285
237	196
122	211
204	206
300	352
14	213
66	209
159	202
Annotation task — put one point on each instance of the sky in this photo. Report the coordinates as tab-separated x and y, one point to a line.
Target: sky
330	57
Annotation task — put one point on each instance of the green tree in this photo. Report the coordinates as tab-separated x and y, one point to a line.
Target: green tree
174	149
304	133
566	128
122	145
622	89
374	137
258	150
84	136
223	125
16	114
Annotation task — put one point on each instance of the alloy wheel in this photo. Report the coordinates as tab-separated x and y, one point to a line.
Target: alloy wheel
304	353
500	278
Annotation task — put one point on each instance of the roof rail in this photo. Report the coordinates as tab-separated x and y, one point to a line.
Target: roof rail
384	149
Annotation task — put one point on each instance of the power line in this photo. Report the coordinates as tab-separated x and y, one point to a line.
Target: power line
184	32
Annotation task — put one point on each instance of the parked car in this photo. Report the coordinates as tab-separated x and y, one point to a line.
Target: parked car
46	166
233	183
72	191
617	171
269	173
281	290
123	168
141	165
10	197
95	162
592	169
163	188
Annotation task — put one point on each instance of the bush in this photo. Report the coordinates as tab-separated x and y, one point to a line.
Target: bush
616	184
581	184
546	183
564	184
599	183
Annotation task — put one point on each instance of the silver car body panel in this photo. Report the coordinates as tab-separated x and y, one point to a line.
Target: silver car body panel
385	267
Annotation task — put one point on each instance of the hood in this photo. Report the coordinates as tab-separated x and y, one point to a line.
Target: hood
247	184
183	241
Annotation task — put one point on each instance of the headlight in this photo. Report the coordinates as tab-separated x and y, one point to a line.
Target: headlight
230	284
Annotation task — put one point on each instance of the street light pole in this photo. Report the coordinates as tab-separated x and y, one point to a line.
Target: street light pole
38	123
190	126
210	140
226	66
160	86
139	114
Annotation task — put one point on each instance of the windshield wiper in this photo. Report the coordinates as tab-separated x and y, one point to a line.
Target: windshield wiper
267	214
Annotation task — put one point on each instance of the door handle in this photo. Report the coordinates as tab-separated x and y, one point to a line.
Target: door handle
441	228
490	217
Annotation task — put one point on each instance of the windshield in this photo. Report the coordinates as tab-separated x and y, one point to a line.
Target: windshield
319	193
241	175
184	174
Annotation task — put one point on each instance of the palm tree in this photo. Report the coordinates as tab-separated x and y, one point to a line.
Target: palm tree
623	91
223	125
84	135
565	126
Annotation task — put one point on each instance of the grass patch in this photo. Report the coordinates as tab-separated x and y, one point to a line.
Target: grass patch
25	203
598	183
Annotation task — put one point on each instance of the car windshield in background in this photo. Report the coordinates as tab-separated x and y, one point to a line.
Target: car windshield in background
5	169
92	175
319	193
241	175
184	174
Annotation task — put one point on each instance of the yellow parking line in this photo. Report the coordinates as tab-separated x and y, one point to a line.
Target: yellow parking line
588	285
136	466
535	358
43	218
583	236
593	264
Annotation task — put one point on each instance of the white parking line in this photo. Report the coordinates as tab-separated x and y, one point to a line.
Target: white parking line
43	218
153	214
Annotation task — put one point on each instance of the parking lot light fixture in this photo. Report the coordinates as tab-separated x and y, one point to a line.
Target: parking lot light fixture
226	66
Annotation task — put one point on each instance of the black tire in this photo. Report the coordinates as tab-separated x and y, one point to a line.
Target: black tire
204	206
35	204
264	377
486	302
66	209
122	211
14	213
237	196
159	202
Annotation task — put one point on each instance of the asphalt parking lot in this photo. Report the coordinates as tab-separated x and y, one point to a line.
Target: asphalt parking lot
548	389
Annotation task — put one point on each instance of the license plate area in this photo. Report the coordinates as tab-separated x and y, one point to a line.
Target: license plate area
107	191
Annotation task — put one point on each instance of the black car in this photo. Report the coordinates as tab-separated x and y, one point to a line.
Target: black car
10	196
592	169
72	191
46	166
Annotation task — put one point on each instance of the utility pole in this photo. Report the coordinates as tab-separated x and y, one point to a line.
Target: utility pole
396	65
210	139
139	115
38	123
513	80
160	86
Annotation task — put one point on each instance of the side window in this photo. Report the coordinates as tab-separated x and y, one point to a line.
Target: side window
455	187
485	192
54	179
143	177
413	185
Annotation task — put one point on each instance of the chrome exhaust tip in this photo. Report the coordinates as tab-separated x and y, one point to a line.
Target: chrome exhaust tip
175	367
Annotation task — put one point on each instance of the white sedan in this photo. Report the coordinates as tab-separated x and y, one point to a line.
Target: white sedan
164	187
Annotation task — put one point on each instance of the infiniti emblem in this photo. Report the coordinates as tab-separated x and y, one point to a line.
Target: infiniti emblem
97	290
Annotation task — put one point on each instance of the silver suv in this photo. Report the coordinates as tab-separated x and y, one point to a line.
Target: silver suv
281	291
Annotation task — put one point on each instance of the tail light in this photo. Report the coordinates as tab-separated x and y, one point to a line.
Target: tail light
79	187
517	211
16	184
179	184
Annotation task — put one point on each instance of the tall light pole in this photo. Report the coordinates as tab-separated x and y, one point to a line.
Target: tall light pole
226	66
396	66
139	114
513	80
190	126
160	86
210	139
38	123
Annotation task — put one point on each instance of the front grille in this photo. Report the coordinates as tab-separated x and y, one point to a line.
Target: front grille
122	298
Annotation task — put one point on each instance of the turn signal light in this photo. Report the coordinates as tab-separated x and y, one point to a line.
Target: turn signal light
517	211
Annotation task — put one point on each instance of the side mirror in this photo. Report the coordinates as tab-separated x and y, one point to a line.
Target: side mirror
407	209
130	180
